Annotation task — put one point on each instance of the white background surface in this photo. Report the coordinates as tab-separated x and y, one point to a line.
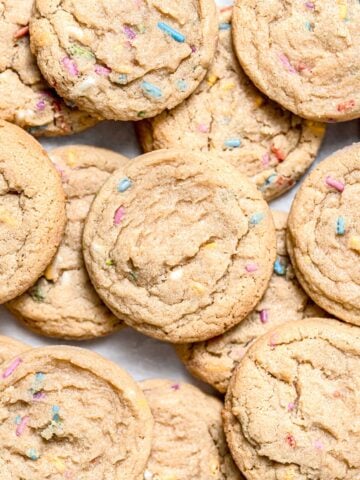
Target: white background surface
139	355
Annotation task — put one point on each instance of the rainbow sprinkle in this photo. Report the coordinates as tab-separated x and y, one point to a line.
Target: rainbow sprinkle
279	268
232	143
124	184
291	406
103	71
264	316
354	243
33	455
251	267
332	182
70	66
119	215
224	26
286	63
181	85
12	367
151	89
129	32
256	218
175	387
174	34
340	226
21	426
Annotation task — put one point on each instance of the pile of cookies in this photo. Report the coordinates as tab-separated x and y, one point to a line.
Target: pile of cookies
180	243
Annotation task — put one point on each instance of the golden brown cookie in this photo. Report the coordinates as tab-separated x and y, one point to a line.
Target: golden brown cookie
190	242
324	234
229	117
69	413
189	440
25	97
214	361
32	211
292	407
302	54
124	60
63	303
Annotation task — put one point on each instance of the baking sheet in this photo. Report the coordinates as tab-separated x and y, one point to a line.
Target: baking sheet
141	356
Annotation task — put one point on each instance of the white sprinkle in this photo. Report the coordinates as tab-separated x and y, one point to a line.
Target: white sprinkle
24	114
176	274
86	84
148	475
97	248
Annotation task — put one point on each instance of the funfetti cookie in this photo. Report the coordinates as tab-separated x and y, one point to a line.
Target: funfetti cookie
324	234
229	117
292	407
32	211
189	440
124	60
9	348
69	413
190	242
25	97
63	303
214	361
302	54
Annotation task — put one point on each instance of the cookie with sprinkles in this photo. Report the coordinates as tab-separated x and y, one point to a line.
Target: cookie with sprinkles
302	54
188	422
68	413
191	242
214	361
63	303
124	60
229	117
9	348
292	407
324	234
32	211
25	97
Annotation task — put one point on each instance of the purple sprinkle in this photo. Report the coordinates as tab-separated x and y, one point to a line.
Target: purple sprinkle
175	387
264	316
310	5
193	48
39	396
11	368
129	32
41	104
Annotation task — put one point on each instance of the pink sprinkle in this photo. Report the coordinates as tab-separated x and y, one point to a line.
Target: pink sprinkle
286	62
22	425
11	369
70	66
318	445
41	105
251	267
193	48
290	440
39	396
310	5
264	317
104	71
175	387
266	159
272	340
332	182
129	32
203	128
119	215
291	406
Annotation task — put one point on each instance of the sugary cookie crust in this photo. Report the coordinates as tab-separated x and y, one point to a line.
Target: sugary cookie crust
230	118
191	243
324	234
124	60
303	54
25	97
292	408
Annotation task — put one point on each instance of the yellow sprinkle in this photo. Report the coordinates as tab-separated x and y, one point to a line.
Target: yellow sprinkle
212	79
289	476
7	219
211	245
199	289
354	243
227	86
342	9
315	127
259	101
71	159
123	69
142	403
214	468
59	464
50	273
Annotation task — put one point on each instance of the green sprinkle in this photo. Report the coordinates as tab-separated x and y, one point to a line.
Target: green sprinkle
76	50
37	294
141	114
110	263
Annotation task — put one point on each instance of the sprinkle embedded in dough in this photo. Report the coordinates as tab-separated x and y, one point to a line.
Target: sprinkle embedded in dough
265	159
124	184
229	85
232	143
22	426
176	274
203	128
342	4
181	85
251	267
86	84
151	89
280	155
310	5
291	406
33	455
12	367
332	182
22	32
340	226
354	243
119	215
198	288
129	32
177	36
224	26
264	316
102	70
290	440
318	444
25	114
279	268
286	63
212	79
257	218
148	475
70	66
175	387
346	106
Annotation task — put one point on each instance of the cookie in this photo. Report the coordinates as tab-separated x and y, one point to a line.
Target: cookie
304	55
190	242
121	60
189	440
69	413
215	360
9	348
229	117
324	234
25	97
63	303
292	407
32	211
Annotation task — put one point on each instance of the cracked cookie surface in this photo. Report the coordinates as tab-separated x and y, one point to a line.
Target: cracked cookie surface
9	348
228	116
25	97
32	211
63	303
292	409
124	60
324	234
304	55
215	360
188	422
190	240
69	413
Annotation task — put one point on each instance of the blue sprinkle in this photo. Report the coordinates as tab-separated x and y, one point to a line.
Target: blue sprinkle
124	184
17	419
308	26
270	179
256	218
179	37
279	269
224	26
32	454
40	377
340	226
151	89
232	143
181	85
122	79
55	409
